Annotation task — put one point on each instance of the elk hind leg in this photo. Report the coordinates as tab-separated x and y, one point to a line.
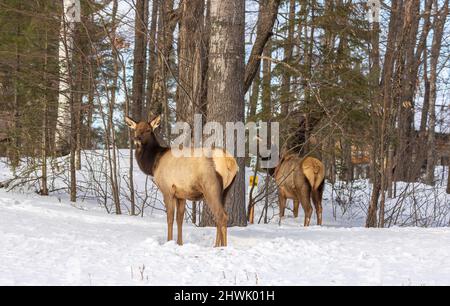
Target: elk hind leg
317	200
305	200
213	197
296	204
282	204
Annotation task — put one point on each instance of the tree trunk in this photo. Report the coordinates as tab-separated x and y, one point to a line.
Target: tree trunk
371	220
44	187
405	88
159	100
266	99
190	60
285	95
268	11
254	96
448	177
152	55
226	89
140	55
63	123
438	30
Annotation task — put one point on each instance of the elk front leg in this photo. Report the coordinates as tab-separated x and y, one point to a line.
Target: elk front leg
282	205
296	204
170	207
181	205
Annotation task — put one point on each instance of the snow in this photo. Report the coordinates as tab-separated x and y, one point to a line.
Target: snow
51	241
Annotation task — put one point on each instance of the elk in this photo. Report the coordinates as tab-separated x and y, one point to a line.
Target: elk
182	178
300	179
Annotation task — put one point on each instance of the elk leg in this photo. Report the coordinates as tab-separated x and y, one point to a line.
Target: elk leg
181	205
224	235
296	204
317	200
218	237
170	207
214	199
282	205
305	195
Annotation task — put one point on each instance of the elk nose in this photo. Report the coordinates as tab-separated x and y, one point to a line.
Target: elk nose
138	140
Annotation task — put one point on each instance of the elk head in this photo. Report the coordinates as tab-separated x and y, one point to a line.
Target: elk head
144	131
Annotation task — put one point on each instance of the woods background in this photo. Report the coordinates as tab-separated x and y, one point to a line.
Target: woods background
370	99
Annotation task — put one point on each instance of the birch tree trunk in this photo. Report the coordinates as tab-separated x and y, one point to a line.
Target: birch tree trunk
63	121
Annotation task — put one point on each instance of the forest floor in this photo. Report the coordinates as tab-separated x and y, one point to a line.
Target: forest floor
51	241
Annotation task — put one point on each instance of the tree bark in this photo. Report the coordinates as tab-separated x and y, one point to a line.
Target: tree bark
191	59
159	98
285	95
152	55
448	178
226	89
63	123
266	99
139	59
254	97
438	30
406	79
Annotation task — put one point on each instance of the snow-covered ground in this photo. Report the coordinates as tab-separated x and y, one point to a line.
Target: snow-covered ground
49	241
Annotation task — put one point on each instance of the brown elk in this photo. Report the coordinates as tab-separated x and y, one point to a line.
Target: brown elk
185	178
300	179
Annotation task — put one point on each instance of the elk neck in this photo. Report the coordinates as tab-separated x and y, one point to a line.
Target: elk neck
148	155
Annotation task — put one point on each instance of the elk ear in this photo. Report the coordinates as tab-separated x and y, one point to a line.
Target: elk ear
155	122
130	122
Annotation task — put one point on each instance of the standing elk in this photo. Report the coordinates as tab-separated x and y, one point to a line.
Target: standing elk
300	179
185	178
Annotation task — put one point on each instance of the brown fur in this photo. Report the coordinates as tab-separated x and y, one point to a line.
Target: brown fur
301	179
185	178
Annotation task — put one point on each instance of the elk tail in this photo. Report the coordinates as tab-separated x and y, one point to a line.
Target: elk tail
314	171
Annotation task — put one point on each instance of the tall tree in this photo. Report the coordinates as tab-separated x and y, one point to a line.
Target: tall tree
70	15
285	94
152	54
191	59
226	88
438	31
167	21
139	59
268	11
